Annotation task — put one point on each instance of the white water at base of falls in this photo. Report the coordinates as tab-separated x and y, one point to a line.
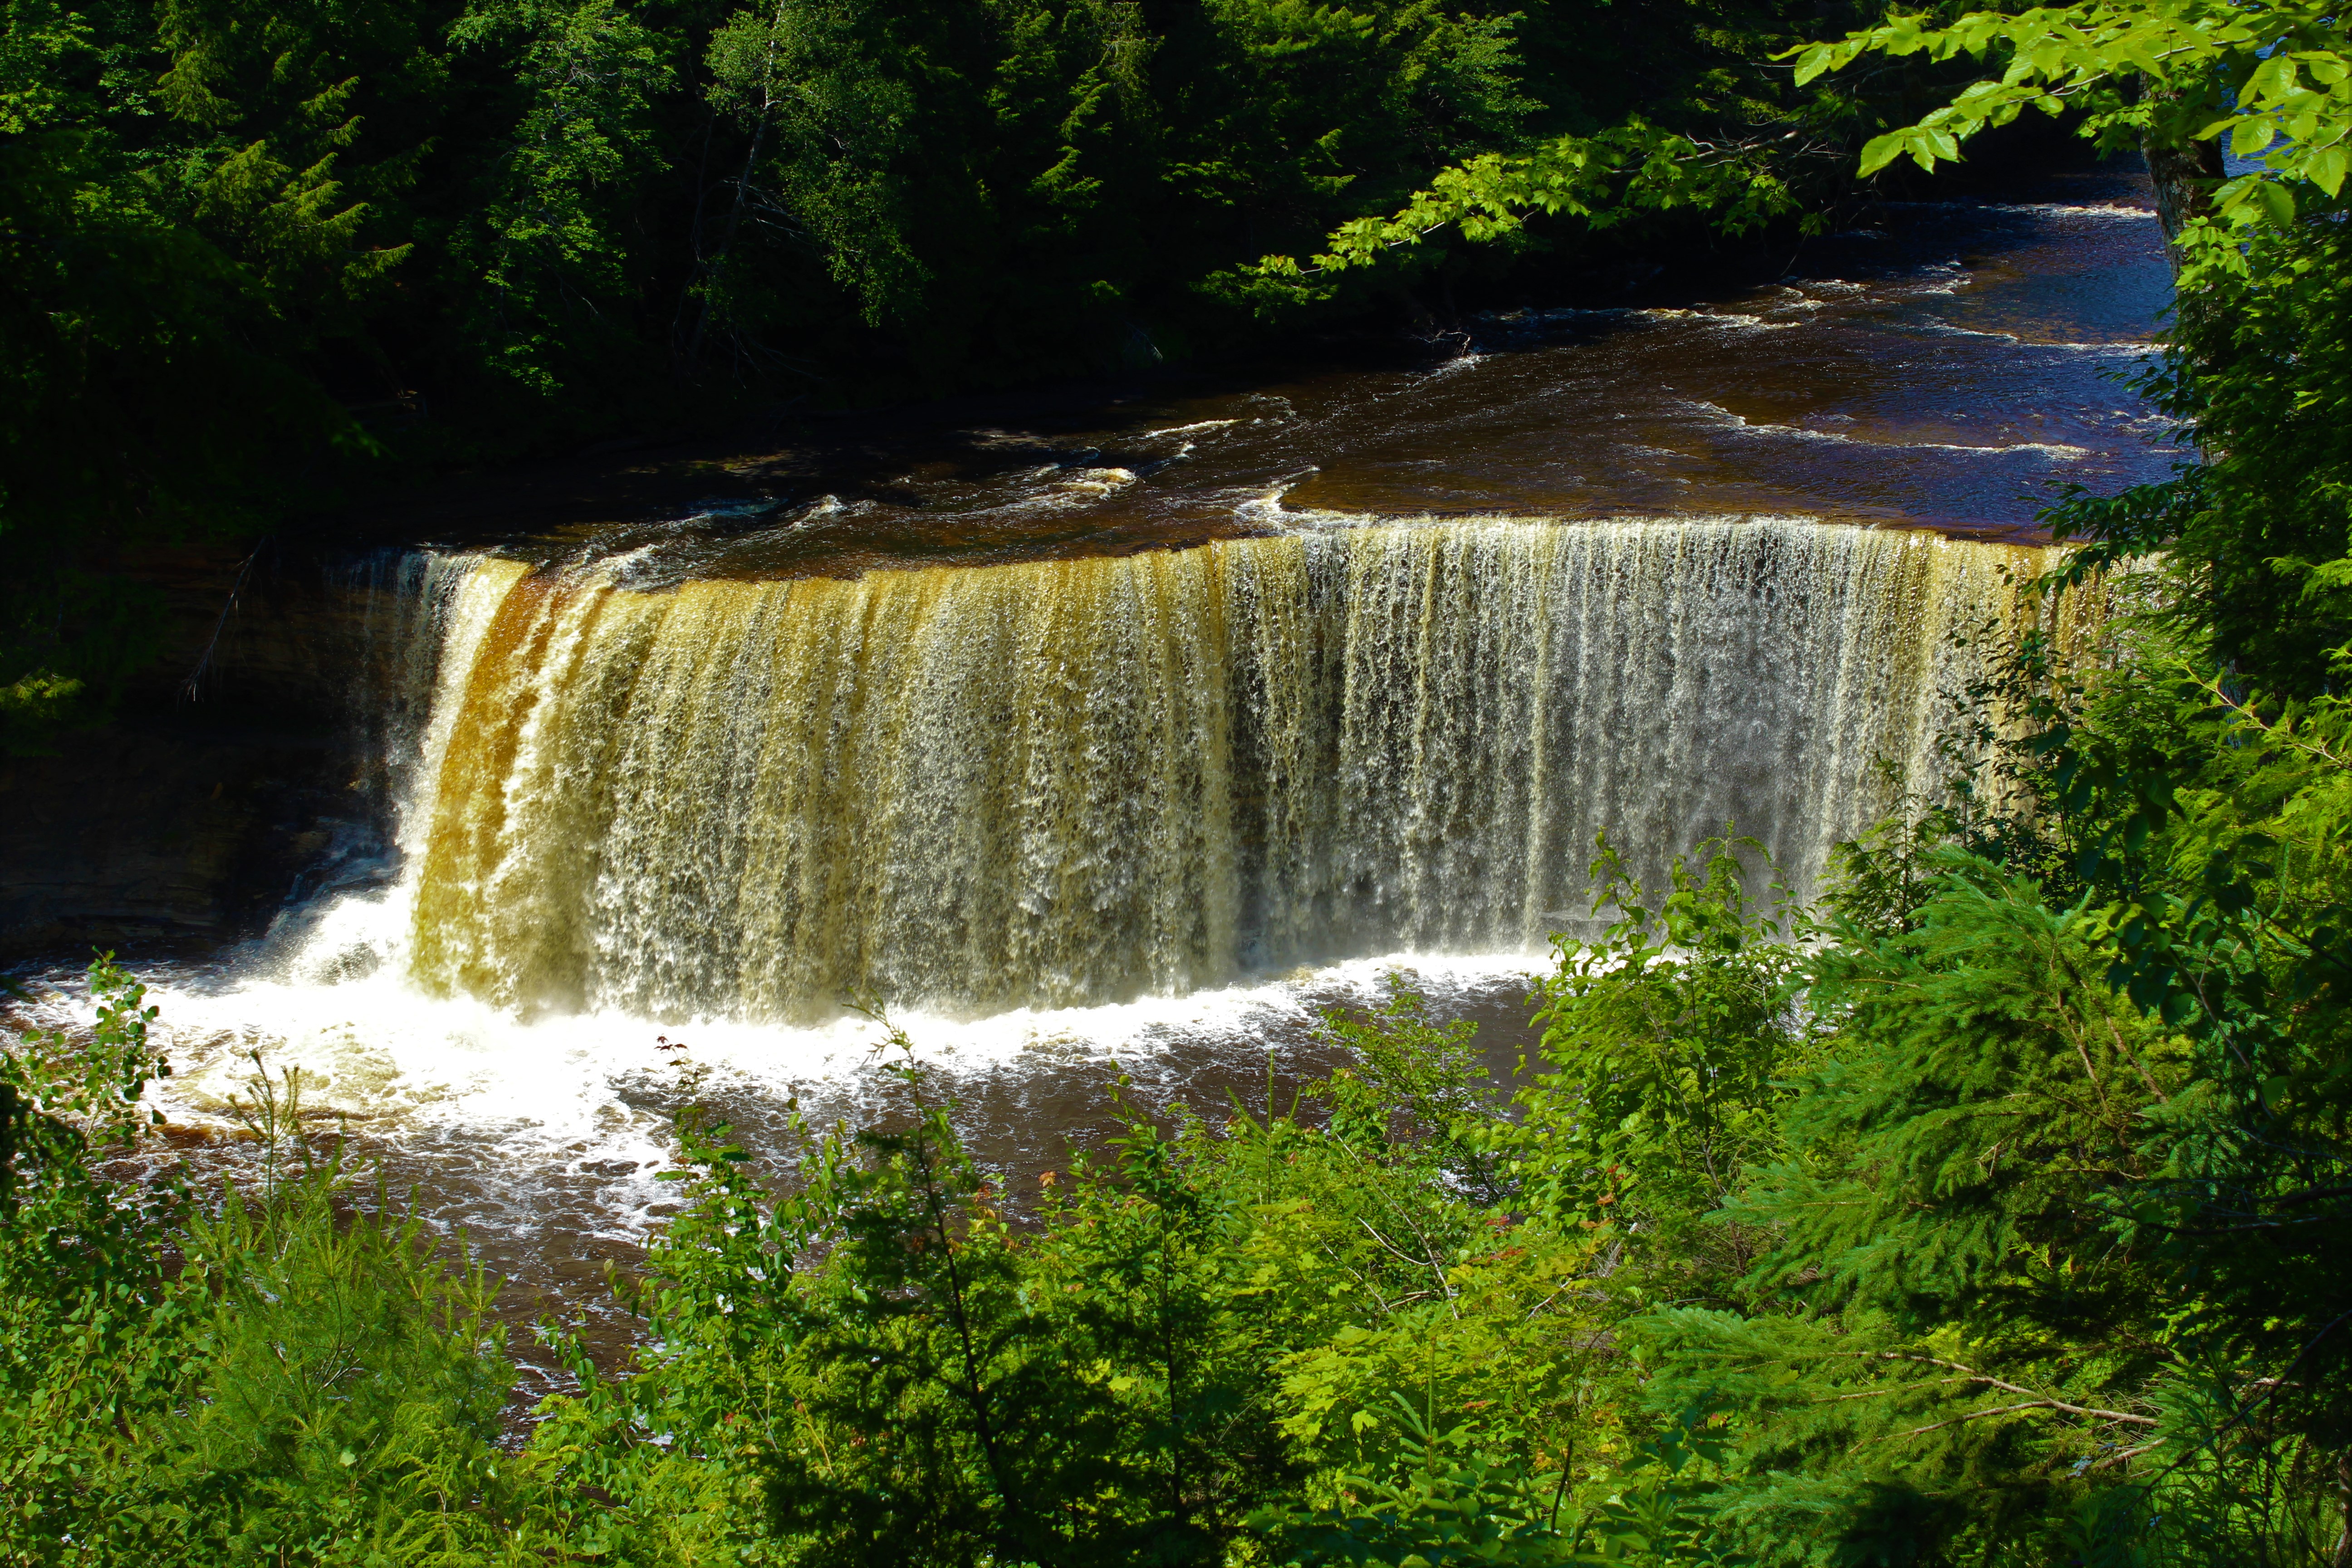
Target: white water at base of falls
518	1127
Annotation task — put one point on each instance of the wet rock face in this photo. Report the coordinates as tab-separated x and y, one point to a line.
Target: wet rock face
191	817
134	837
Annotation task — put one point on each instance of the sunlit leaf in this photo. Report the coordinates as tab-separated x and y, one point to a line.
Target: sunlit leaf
2326	169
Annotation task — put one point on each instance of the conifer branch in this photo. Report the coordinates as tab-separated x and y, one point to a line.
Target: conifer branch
2127	1453
2038	1399
2008	1410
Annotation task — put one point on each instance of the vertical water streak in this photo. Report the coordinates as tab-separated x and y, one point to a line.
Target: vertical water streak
1073	781
402	601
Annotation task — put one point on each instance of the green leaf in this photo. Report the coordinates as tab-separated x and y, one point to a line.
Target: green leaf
1881	151
2274	78
2325	169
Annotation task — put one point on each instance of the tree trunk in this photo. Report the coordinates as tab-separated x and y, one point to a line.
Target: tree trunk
2184	175
2344	1540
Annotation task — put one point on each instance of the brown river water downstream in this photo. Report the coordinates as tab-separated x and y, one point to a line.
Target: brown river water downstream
1114	736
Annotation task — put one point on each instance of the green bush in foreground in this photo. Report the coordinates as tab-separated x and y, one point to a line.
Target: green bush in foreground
276	1378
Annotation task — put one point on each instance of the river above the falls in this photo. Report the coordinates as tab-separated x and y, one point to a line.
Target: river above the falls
1106	735
1947	366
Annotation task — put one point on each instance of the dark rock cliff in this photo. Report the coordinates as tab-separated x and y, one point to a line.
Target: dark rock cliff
233	774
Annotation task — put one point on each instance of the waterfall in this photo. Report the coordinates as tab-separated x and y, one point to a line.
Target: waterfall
402	600
1063	782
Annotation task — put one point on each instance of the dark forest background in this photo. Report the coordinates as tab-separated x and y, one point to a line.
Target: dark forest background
257	259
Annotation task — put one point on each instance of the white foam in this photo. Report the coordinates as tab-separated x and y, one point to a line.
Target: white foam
730	511
1268	507
1096	481
2058	450
1062	487
1943	329
2113	211
1312	520
556	1094
1734	321
1718	413
2106	211
1188	429
1934	328
1954	278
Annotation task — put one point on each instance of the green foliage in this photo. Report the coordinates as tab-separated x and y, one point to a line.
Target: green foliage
825	93
1453	1504
347	1391
254	259
1942	1326
1670	1038
2256	536
173	240
548	246
879	1359
1729	141
2045	1273
1200	1334
2275	80
274	1379
80	1264
1604	179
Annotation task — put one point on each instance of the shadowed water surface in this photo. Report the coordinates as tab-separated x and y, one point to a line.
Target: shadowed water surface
1945	367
